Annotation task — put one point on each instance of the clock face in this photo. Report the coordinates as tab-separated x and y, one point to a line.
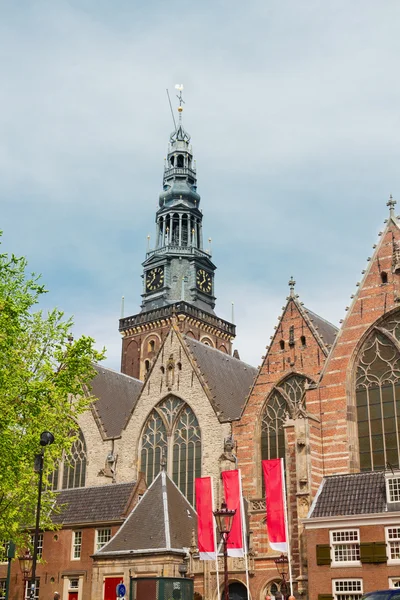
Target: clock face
154	279
204	281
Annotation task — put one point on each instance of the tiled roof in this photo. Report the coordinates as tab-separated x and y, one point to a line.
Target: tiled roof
327	331
228	379
352	494
163	520
116	395
97	504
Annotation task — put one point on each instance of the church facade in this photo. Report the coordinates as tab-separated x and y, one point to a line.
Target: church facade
324	399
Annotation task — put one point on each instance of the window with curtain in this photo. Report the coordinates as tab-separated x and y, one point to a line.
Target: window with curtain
284	400
172	434
378	397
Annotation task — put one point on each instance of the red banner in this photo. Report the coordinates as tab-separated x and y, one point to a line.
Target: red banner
276	526
205	518
232	492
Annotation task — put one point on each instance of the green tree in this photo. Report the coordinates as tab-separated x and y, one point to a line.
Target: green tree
43	373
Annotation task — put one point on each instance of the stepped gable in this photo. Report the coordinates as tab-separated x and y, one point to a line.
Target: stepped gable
162	521
352	494
228	379
117	395
97	504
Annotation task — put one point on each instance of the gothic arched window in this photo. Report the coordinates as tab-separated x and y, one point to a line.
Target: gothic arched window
378	397
286	399
172	434
71	469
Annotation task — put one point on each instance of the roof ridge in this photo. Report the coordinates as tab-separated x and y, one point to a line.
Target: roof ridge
96	487
118	373
319	317
227	356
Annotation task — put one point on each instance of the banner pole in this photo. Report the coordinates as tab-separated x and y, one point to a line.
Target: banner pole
287	527
215	540
244	535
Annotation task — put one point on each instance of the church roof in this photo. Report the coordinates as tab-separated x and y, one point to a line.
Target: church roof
326	330
228	379
97	504
351	494
116	395
162	521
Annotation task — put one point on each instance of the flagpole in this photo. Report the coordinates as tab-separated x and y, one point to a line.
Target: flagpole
287	527
215	541
244	535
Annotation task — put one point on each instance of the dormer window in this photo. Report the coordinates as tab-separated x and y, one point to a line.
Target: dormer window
392	488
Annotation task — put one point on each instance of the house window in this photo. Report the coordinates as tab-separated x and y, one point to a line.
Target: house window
394	582
393	543
3	552
345	546
347	589
102	537
28	590
3	587
76	545
39	544
393	489
172	432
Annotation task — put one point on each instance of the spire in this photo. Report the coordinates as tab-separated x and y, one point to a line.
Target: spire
179	135
391	204
291	284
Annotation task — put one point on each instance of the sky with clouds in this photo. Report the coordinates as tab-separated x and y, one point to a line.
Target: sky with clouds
293	109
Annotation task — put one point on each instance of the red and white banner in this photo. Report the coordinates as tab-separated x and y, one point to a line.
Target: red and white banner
205	518
233	493
275	501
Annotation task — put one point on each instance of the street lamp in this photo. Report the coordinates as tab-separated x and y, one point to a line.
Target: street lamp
46	439
25	563
282	565
224	518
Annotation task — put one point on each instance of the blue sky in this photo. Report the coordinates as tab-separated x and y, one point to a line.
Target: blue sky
293	109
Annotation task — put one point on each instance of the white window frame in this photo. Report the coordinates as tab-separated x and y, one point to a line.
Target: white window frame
348	594
67	587
28	589
353	540
99	532
392	489
393	581
3	588
39	545
391	540
75	545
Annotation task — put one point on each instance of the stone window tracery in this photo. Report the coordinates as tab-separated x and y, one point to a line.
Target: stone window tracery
285	400
172	431
71	470
377	388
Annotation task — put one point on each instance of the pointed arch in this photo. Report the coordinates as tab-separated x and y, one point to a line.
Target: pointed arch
376	392
70	471
172	430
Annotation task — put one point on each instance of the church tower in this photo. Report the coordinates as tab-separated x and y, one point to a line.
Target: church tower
178	274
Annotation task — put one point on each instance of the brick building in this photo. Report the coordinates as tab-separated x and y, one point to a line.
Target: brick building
324	399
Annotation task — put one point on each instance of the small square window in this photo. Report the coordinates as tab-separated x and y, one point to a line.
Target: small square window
76	545
394	582
102	537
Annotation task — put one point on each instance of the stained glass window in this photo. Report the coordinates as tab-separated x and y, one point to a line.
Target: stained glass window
378	398
172	431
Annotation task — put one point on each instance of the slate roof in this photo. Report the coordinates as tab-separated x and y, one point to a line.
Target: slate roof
97	504
352	494
117	395
163	520
228	379
326	330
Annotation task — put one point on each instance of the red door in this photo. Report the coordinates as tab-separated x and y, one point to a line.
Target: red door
72	595
110	587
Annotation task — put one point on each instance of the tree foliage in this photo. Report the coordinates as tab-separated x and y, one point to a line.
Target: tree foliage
42	376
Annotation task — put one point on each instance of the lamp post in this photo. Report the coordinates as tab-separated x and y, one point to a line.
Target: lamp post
25	563
223	518
282	565
46	439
